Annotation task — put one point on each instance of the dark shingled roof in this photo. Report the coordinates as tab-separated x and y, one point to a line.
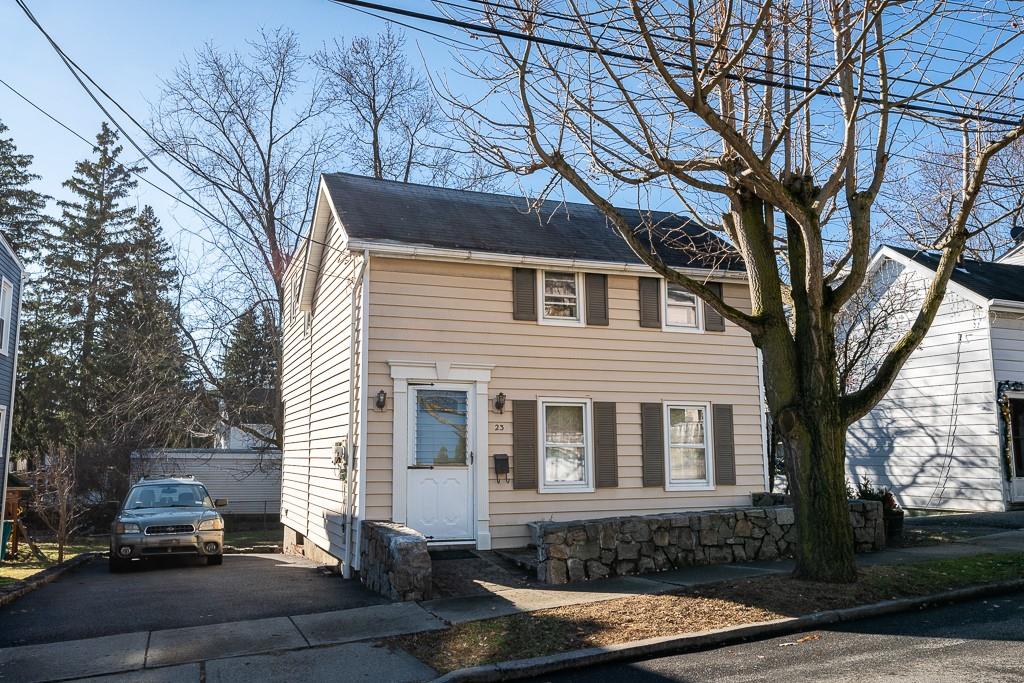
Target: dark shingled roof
987	279
413	214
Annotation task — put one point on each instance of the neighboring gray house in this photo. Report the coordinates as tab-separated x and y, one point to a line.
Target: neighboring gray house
11	278
949	434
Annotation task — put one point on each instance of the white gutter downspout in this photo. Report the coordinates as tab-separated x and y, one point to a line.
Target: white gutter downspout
346	566
763	410
364	362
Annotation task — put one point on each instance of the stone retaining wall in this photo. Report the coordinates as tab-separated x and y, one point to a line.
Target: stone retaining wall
619	546
394	561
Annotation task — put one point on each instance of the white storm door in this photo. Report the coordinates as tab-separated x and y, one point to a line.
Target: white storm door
439	495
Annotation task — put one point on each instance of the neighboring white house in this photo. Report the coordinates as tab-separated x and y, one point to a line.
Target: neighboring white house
464	366
249	479
949	434
232	438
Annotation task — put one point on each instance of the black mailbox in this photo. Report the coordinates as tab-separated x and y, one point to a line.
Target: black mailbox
501	466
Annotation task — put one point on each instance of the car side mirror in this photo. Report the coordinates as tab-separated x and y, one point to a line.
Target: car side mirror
220	502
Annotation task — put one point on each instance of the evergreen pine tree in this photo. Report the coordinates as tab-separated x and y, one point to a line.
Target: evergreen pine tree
23	223
249	369
81	273
144	397
22	220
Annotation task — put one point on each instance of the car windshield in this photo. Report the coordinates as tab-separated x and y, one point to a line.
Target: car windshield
168	496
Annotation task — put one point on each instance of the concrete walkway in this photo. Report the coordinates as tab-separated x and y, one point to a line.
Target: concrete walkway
321	646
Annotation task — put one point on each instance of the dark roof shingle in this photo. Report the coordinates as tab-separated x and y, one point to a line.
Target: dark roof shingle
413	214
985	278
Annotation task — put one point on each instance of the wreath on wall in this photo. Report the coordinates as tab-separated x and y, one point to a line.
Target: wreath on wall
1003	401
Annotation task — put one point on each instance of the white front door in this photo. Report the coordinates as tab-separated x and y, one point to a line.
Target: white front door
440	468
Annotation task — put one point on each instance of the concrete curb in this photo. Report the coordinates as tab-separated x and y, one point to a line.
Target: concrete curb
707	640
12	592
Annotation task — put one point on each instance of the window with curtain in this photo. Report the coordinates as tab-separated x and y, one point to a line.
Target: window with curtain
687	447
566	447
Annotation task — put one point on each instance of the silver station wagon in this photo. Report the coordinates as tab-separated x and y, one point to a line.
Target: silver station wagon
163	517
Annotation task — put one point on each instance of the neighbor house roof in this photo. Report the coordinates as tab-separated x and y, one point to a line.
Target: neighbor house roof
410	214
1001	281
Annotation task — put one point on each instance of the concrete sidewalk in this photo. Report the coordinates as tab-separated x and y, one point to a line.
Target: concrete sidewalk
315	647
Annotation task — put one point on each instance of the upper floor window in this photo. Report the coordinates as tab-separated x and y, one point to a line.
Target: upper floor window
561	297
6	315
682	308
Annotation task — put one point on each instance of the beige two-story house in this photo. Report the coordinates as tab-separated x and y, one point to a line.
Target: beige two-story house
463	365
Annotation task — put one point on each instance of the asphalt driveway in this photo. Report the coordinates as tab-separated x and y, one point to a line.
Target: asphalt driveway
175	592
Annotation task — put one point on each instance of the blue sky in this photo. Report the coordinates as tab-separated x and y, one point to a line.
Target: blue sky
127	47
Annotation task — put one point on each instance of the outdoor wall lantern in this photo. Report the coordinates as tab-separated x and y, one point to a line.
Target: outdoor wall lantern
382	399
499	402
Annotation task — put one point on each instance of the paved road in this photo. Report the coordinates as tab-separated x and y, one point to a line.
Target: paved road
175	592
973	641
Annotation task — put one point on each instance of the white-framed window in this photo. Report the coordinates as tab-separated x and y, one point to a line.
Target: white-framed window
560	294
566	452
6	315
688	463
683	310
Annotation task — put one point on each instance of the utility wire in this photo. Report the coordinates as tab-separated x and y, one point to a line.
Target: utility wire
929	108
709	44
196	205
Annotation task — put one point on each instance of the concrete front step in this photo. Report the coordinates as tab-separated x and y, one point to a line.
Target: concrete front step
524	558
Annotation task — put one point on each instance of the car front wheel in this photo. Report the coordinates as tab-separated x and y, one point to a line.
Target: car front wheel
214	559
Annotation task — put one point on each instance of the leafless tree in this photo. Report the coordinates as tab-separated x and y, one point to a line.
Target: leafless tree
778	123
55	496
393	126
251	133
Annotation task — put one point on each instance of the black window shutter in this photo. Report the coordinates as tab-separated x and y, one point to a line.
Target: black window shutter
650	302
596	286
524	294
713	320
652	440
725	444
524	444
606	453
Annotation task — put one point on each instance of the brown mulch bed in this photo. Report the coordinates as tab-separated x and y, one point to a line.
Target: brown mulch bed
732	603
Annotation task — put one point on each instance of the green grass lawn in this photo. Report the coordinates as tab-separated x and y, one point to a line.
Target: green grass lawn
26	564
246	539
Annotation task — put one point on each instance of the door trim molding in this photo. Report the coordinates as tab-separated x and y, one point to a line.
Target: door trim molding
476	376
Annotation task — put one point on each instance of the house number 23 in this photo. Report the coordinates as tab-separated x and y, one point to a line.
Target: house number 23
499	427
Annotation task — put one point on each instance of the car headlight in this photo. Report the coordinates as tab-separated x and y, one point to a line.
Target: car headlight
215	524
126	528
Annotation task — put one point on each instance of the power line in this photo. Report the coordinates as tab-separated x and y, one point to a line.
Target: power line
709	44
929	108
196	205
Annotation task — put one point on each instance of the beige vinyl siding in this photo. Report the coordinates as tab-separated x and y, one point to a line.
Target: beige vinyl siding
933	438
462	312
316	390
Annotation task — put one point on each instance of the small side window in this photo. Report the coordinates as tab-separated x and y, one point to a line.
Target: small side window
6	315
